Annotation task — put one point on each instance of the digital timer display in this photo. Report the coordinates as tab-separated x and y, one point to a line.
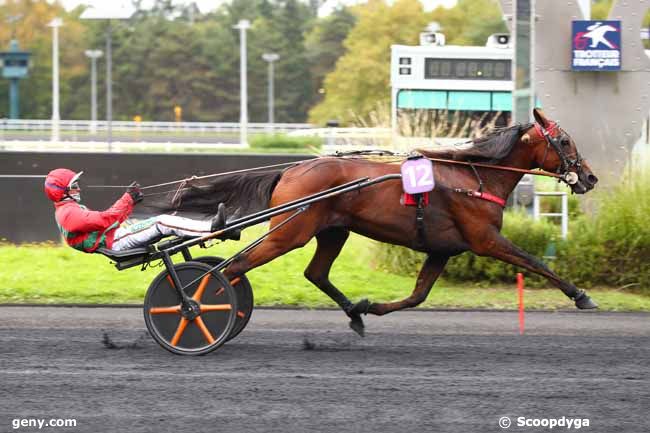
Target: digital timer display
467	69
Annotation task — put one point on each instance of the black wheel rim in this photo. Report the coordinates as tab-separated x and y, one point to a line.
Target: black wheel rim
203	334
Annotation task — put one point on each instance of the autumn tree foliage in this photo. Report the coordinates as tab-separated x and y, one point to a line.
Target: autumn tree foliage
361	78
170	54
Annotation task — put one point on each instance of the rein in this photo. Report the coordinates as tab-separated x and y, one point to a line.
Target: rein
500	167
198	178
567	176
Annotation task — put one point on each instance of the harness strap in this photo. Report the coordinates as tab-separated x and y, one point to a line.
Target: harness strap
482	195
478	178
419	221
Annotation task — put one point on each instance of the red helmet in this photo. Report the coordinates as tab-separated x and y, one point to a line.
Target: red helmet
59	182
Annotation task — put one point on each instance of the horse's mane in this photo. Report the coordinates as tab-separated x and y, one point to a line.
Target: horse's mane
491	148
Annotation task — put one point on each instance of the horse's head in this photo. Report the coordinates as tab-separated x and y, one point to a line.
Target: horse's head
554	150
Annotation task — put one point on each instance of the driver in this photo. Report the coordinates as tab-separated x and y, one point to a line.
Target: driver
86	230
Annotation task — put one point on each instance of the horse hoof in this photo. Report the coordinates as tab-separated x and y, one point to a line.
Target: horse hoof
356	324
360	307
584	302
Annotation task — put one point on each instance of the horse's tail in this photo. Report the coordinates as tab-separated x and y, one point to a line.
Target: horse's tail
243	194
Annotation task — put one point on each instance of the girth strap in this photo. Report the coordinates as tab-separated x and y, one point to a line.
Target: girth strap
419	220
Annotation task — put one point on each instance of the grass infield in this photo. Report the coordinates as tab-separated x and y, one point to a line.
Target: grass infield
51	273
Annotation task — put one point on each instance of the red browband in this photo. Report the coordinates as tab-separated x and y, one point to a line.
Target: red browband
552	129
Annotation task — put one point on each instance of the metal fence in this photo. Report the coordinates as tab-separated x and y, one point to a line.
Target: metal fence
145	126
131	136
342	139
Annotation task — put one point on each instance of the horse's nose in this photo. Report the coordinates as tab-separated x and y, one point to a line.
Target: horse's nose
591	179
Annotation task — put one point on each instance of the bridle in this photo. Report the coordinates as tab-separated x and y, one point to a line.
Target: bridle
555	137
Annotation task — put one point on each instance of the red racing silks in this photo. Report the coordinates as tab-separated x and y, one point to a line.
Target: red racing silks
86	230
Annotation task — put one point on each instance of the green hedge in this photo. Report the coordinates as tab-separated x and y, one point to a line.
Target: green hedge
283	141
613	247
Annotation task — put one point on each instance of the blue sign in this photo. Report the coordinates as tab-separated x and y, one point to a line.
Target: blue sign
596	46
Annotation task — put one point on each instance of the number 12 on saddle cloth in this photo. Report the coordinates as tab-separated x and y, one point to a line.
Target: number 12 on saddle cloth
417	178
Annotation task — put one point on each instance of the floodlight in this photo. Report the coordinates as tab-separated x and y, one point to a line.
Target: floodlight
108	11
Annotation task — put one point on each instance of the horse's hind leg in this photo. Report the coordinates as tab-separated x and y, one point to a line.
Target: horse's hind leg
330	243
428	275
294	235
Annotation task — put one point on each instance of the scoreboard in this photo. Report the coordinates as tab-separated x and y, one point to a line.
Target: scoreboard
454	78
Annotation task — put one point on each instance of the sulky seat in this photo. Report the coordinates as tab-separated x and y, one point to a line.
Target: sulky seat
127	258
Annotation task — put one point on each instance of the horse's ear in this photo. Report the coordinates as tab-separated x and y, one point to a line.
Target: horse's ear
540	117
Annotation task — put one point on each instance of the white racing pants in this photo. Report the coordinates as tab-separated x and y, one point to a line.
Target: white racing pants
150	230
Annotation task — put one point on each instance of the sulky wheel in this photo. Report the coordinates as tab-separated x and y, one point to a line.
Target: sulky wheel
184	334
244	292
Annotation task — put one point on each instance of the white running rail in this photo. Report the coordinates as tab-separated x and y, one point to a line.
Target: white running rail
132	126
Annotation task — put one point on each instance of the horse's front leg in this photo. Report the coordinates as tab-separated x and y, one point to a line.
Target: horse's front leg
501	248
428	275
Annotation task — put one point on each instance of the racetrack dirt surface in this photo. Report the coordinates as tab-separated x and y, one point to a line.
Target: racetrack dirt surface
305	371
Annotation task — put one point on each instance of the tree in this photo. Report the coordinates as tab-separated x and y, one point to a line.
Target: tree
167	54
324	45
600	9
34	35
470	22
294	92
360	80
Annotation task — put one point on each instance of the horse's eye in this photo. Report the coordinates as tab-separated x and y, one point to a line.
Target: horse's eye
566	142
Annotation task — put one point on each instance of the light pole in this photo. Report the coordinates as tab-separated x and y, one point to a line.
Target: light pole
109	86
243	25
270	58
93	55
56	118
115	10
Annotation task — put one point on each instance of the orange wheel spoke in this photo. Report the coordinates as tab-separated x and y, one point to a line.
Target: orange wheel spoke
218	292
215	307
199	292
241	314
204	330
179	331
165	310
235	281
169	278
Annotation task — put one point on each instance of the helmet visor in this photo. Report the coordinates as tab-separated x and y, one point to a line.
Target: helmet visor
74	182
74	190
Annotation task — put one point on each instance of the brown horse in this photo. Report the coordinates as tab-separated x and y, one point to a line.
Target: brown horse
453	222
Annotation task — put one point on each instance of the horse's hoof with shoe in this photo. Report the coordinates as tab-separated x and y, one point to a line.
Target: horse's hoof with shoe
584	302
354	312
356	324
